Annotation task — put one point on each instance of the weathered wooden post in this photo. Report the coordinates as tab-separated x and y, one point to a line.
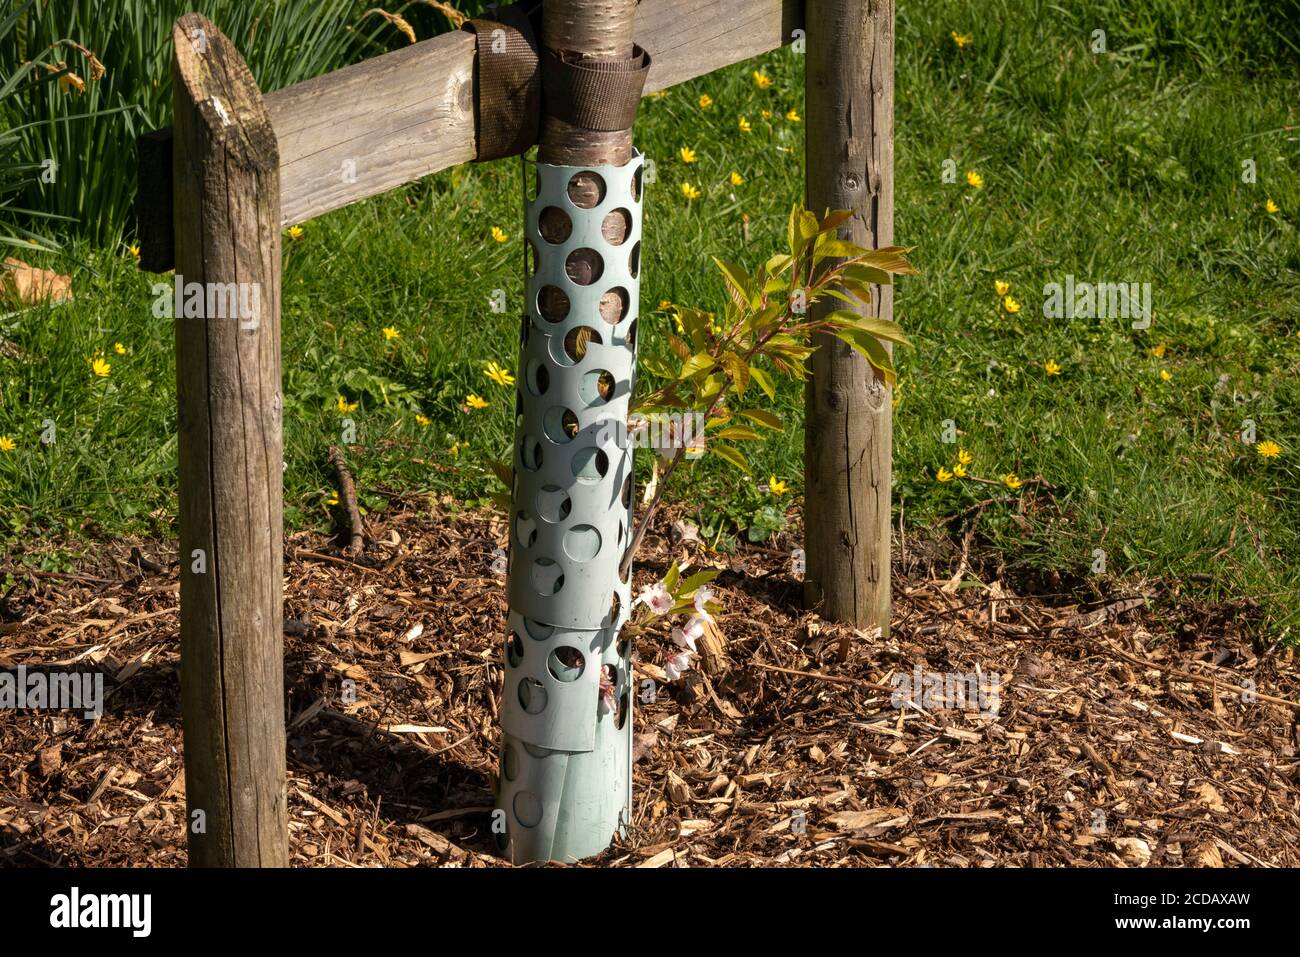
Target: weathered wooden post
226	221
565	777
849	75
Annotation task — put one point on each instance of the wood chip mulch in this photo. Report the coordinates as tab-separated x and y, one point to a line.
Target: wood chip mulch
1126	733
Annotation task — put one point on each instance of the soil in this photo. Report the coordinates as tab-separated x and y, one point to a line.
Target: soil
1136	730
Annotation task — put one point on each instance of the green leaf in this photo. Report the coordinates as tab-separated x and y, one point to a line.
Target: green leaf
700	362
872	325
871	348
764	381
859	272
692	584
740	433
769	420
836	219
731	455
505	473
735	367
737	281
890	259
670	580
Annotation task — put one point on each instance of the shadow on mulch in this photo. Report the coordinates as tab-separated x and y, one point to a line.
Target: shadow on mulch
1124	732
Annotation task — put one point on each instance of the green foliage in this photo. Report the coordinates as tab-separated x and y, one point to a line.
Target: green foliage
283	41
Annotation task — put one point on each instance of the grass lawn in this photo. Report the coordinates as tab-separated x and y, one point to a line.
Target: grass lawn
1123	166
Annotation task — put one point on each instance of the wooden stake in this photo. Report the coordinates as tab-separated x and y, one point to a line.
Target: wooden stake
849	71
227	238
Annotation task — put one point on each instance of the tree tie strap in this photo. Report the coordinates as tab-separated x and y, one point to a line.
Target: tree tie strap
511	79
507	83
594	94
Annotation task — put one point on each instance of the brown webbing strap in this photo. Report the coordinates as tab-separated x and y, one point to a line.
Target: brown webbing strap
594	94
507	83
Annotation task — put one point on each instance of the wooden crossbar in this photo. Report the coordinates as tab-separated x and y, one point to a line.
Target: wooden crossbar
390	120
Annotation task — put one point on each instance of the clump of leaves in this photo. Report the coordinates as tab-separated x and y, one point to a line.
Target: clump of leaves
769	326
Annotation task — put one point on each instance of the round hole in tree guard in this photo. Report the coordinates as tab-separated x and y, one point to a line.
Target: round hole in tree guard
514	650
620	716
547	577
627	492
554	224
532	696
584	266
538	378
614	305
553	503
586	189
631	335
528	809
590	465
634	260
552	303
502	839
566	663
624	648
530	258
530	453
636	184
537	752
582	543
523	331
615	226
560	424
596	387
525	529
537	631
614	604
509	762
575	343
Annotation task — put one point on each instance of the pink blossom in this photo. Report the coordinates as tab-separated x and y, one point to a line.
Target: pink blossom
657	598
677	665
703	594
685	637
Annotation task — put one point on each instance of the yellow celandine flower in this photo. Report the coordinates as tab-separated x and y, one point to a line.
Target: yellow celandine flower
1001	287
333	498
1266	449
961	39
500	235
736	178
1272	208
119	348
767	114
423	420
943	475
687	154
1010	304
762	80
390	332
792	115
476	401
1052	367
689	191
776	486
135	250
706	101
344	406
499	375
1012	481
1165	375
1158	351
965	457
974	179
744	126
101	367
7	444
959	470
295	232
454	451
664	304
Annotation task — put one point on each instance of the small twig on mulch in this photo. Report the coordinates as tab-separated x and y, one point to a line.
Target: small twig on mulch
348	493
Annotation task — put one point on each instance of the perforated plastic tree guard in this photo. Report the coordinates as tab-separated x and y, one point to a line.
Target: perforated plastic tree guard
565	781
